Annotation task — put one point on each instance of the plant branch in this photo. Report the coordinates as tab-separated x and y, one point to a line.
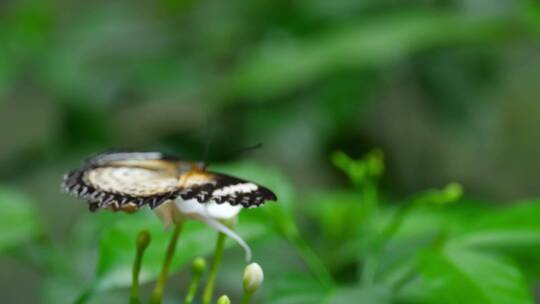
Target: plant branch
209	288
157	294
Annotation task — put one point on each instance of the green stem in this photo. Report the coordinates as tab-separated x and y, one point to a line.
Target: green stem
193	286
135	278
157	294
209	288
143	240
246	299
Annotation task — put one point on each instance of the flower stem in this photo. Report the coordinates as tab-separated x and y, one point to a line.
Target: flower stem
193	286
198	268
246	299
209	288
157	294
143	240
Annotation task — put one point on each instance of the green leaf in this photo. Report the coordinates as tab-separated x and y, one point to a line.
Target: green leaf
19	222
371	295
297	288
514	230
465	276
340	213
300	288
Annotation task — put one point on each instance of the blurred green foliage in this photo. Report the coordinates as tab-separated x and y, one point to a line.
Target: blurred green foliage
447	89
20	222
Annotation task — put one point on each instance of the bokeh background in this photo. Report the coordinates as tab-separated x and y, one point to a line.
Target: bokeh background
448	90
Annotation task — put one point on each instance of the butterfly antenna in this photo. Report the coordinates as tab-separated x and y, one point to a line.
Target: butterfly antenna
247	149
244	150
206	151
237	152
208	144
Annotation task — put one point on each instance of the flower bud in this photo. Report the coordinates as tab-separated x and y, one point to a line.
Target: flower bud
143	240
253	277
223	300
199	266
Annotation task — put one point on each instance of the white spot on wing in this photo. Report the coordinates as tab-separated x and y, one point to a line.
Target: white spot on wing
233	189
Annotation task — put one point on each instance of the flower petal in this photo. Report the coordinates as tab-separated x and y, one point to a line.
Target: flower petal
229	232
222	211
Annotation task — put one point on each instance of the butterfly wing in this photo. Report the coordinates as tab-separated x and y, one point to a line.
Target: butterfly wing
124	181
129	180
207	186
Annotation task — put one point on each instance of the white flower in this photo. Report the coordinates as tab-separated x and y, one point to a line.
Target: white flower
253	277
193	208
210	213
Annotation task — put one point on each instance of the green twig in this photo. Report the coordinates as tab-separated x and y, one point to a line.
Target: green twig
209	288
157	294
199	265
143	240
246	299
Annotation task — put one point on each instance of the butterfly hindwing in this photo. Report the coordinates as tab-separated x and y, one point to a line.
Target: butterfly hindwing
222	188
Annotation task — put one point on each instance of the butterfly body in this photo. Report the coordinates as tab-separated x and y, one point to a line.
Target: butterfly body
127	181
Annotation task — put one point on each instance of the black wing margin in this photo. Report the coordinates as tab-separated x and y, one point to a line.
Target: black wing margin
222	188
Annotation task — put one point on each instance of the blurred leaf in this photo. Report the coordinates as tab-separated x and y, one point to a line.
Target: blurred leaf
341	233
19	222
24	34
6	74
117	247
421	227
514	230
60	288
464	276
533	16
371	295
339	213
286	65
297	288
73	263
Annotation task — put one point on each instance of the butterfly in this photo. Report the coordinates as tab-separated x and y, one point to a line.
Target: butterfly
127	181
